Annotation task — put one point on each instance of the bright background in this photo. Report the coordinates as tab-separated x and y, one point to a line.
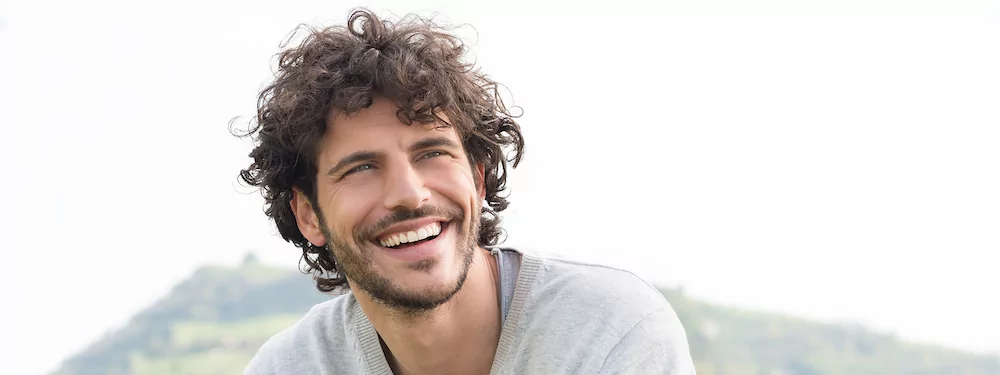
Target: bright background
836	160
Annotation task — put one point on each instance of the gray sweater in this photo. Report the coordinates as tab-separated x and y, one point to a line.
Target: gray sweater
562	317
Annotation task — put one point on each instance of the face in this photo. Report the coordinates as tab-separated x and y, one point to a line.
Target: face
398	205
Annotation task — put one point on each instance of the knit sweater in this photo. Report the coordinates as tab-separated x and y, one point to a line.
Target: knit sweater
564	317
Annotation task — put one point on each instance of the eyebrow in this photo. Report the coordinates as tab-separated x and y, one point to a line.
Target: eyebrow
360	156
433	142
355	157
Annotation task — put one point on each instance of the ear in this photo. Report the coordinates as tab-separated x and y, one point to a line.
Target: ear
481	180
306	218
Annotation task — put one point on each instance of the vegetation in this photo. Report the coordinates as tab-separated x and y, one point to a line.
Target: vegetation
213	323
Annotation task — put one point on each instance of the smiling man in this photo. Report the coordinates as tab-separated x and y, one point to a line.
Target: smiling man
383	157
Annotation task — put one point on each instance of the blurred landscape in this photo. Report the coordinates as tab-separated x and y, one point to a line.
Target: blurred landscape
213	322
829	161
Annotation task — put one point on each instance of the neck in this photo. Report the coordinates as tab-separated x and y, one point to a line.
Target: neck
458	337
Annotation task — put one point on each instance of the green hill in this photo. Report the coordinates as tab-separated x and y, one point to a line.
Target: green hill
213	323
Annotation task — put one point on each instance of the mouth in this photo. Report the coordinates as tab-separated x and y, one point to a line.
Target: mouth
413	237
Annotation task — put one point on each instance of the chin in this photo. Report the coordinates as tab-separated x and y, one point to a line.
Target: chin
421	291
425	282
428	276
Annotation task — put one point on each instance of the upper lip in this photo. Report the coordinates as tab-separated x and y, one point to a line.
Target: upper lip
409	225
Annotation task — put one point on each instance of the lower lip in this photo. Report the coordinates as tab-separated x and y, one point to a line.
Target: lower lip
420	251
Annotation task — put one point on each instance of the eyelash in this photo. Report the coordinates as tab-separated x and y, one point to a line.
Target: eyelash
440	153
430	154
357	169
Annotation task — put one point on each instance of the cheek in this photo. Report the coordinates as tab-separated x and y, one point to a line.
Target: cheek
346	208
453	184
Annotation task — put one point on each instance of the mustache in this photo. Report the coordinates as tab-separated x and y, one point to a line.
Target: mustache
403	214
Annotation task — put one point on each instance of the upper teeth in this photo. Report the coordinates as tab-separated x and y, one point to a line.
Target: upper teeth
432	229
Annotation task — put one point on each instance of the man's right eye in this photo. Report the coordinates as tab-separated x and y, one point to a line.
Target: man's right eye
359	168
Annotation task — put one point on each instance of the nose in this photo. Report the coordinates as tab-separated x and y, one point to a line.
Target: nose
405	188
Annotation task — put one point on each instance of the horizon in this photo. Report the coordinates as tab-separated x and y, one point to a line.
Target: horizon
828	160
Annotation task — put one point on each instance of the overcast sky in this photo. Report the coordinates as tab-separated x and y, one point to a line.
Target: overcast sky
836	160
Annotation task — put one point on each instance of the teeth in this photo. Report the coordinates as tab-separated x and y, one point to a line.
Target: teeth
392	240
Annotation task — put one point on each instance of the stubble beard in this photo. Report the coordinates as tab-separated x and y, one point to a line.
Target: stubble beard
356	262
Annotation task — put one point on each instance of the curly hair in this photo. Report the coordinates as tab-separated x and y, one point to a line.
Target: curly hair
415	63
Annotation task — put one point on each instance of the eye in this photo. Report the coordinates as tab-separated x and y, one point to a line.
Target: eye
432	154
359	168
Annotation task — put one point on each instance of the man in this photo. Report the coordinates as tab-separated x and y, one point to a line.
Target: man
383	156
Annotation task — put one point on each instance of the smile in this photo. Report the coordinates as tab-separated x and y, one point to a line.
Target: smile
427	232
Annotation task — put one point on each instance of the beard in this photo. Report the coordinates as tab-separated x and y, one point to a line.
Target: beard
356	261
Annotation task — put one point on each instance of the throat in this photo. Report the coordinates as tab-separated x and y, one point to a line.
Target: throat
468	355
457	337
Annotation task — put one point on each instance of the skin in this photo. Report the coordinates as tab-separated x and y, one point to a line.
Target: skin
439	313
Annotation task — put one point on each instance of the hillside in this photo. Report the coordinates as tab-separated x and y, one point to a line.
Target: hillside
212	323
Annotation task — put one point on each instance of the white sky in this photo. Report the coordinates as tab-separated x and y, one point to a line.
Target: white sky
833	159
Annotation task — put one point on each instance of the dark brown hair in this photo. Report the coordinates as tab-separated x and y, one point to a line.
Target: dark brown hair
414	62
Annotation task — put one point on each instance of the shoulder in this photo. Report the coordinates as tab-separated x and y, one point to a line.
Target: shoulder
657	343
615	289
619	319
324	328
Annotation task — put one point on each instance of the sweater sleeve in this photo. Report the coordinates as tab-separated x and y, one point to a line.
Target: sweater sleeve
657	344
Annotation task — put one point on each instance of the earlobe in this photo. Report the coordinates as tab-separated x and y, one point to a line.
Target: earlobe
305	218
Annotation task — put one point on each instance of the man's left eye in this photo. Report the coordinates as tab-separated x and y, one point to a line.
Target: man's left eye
432	154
